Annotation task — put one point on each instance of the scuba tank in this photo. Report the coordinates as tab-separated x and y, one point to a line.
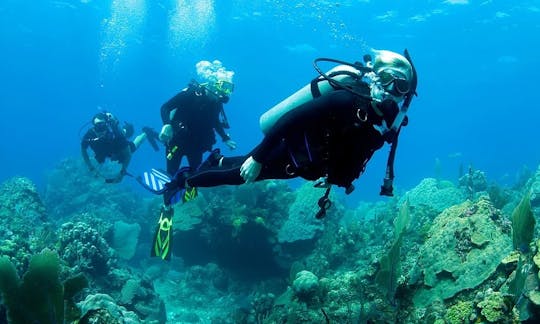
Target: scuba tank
344	74
349	77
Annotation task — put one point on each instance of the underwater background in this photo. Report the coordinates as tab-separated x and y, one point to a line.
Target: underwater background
466	160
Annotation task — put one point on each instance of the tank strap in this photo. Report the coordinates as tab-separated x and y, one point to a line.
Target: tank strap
316	92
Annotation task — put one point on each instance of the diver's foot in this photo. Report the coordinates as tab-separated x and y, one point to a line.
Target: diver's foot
176	188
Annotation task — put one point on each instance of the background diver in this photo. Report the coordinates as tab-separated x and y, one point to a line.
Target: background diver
108	140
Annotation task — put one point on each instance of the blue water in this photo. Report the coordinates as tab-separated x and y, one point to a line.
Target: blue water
62	61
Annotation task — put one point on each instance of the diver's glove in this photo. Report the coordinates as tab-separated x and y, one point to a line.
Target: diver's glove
230	144
250	169
166	133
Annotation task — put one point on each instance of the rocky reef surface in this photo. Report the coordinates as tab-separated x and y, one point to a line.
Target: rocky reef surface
463	251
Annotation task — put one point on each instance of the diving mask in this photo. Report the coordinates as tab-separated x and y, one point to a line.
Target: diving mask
101	127
394	82
224	87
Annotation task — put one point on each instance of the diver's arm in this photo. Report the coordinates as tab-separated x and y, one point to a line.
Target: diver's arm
173	103
216	123
86	158
166	133
124	160
84	152
221	132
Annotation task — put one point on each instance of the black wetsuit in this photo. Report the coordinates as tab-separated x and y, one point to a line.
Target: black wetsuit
195	117
112	144
331	136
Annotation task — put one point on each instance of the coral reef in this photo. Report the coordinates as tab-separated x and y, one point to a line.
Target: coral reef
256	253
24	226
84	249
305	285
40	296
301	224
71	190
436	195
464	248
101	308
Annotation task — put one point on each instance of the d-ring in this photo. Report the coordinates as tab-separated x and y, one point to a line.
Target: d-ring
361	115
288	170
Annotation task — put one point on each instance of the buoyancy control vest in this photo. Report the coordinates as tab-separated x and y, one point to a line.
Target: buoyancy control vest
344	74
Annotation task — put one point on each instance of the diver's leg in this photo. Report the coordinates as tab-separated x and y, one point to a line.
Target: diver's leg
194	159
227	174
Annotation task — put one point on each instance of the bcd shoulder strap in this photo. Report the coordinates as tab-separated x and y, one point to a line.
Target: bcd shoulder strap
314	85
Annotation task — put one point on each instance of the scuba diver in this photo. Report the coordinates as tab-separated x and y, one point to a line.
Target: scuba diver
326	132
190	119
108	140
191	116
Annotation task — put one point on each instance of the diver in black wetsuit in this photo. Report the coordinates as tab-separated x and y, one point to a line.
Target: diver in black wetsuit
109	140
329	139
191	116
324	138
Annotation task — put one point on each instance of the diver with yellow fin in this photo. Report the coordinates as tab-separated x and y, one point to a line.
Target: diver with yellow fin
156	181
190	119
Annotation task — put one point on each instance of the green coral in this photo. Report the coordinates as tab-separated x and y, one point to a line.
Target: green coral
459	313
40	296
450	261
260	220
523	224
389	271
493	307
237	223
435	195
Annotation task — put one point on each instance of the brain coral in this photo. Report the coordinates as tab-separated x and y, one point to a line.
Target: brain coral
464	248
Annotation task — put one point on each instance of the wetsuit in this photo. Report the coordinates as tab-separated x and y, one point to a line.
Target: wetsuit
194	115
111	144
331	136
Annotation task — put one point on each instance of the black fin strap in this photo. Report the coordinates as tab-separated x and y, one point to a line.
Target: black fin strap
387	188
